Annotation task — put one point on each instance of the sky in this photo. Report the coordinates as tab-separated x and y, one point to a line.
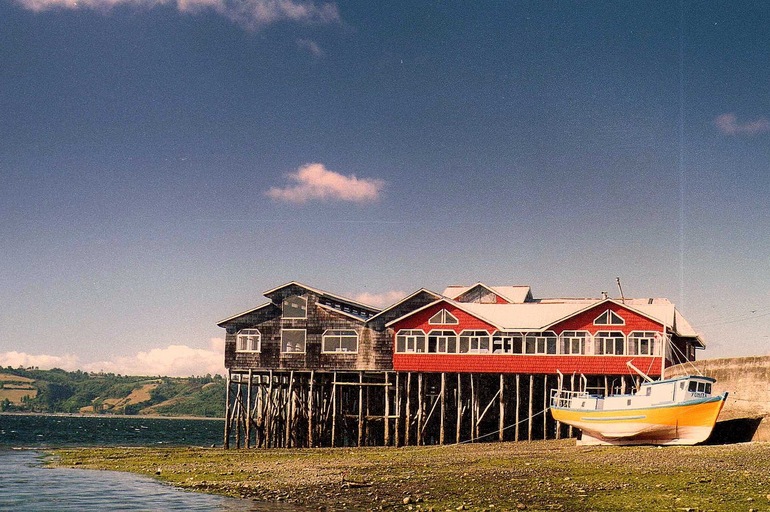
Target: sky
162	163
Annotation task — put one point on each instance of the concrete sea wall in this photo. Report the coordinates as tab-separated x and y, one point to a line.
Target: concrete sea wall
747	379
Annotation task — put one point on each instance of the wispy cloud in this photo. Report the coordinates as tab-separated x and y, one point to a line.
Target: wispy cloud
171	361
380	299
729	125
251	14
316	182
311	47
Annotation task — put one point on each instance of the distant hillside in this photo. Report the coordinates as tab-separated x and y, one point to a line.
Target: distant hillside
59	391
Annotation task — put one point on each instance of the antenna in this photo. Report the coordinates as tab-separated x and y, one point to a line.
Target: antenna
622	298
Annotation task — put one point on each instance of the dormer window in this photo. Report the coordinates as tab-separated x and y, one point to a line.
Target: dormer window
443	317
295	307
609	317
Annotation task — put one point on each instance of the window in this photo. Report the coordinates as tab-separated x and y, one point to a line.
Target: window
442	342
643	343
248	340
295	307
410	340
540	343
292	341
507	343
474	341
609	317
443	317
340	341
610	343
573	342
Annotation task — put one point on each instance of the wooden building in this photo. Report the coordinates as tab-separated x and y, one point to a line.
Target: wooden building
310	368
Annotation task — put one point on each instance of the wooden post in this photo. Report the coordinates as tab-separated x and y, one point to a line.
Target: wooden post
458	434
518	403
269	413
441	435
420	407
408	414
248	412
334	411
288	415
545	406
501	422
311	411
473	409
226	440
360	408
386	426
397	440
571	388
531	399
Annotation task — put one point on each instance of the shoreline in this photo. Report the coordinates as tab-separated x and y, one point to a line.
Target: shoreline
95	415
538	475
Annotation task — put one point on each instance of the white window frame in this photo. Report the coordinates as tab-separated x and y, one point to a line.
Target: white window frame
442	339
475	339
248	340
505	342
568	339
330	334
412	338
286	303
635	340
611	315
304	342
604	339
443	317
539	342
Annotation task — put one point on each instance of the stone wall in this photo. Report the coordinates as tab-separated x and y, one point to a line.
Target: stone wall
747	379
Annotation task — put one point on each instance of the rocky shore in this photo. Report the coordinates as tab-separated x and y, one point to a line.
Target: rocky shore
542	475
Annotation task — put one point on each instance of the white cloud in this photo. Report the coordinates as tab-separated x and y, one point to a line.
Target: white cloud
251	14
16	359
380	299
171	361
729	125
311	47
314	181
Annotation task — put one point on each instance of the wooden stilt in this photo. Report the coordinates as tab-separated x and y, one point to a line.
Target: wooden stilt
386	426
458	432
360	408
311	412
571	388
226	440
545	406
442	397
518	404
248	412
408	413
397	440
334	410
420	407
531	400
501	416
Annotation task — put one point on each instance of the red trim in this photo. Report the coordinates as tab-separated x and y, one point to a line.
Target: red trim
505	363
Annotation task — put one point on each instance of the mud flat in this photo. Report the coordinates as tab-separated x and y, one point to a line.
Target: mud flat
542	475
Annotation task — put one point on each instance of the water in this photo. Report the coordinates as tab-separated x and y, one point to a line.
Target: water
25	484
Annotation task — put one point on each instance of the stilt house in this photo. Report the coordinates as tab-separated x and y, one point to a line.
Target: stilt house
310	368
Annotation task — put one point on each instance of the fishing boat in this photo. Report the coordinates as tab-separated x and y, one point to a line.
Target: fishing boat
676	411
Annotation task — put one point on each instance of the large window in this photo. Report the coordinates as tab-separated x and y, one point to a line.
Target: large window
410	340
340	340
508	343
609	343
643	343
295	307
540	343
573	342
442	342
292	341
248	340
443	317
609	317
474	342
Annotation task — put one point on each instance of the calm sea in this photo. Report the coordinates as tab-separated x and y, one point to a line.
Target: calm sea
26	485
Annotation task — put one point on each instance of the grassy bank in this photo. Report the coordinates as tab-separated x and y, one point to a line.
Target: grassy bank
543	475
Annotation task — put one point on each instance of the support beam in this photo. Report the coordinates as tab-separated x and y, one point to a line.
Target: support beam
531	400
386	434
441	434
226	440
501	414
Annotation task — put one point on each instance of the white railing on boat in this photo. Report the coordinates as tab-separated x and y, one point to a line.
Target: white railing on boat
563	398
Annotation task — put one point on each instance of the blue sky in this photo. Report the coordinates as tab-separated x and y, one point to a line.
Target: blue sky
163	164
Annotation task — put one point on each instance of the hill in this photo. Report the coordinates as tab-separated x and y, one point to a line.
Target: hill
59	391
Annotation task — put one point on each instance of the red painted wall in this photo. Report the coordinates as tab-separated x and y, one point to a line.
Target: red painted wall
519	363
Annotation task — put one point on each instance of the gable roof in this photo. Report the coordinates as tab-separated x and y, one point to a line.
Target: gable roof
511	294
405	299
254	310
325	294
